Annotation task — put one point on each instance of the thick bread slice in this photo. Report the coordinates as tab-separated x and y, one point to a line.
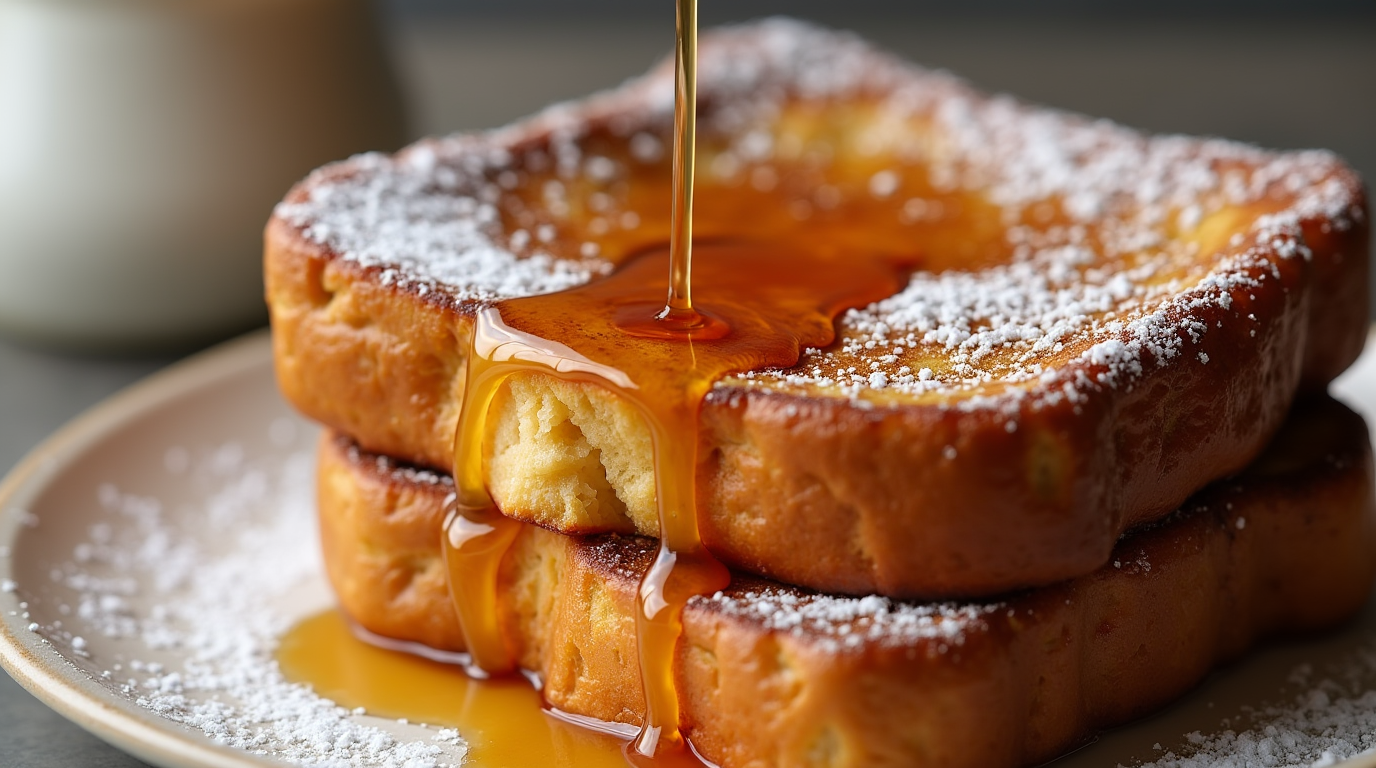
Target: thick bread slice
777	676
1101	323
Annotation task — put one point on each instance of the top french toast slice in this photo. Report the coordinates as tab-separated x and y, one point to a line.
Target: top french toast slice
1099	322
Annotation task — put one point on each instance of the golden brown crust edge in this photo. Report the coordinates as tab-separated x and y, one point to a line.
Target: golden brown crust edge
1023	682
816	492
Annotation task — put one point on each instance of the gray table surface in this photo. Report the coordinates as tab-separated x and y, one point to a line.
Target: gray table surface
1279	83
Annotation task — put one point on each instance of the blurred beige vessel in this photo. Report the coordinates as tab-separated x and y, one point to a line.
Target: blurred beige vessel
143	144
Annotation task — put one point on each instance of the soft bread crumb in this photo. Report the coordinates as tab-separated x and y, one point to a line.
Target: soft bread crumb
570	456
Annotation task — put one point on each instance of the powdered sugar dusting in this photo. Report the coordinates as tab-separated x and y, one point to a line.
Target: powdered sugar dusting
834	623
1115	243
839	623
1331	719
196	618
1041	320
1105	269
426	221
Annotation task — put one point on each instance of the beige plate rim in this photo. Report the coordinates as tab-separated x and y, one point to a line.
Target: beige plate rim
66	688
26	657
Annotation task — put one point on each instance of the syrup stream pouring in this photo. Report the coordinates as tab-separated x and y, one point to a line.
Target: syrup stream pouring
764	303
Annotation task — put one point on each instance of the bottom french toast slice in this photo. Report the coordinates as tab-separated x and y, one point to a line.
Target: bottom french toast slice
771	675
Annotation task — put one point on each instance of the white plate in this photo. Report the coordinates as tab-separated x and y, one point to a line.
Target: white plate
162	467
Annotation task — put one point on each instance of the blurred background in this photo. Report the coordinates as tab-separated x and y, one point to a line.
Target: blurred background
143	143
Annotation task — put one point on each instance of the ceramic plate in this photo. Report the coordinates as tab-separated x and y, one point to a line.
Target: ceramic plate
152	549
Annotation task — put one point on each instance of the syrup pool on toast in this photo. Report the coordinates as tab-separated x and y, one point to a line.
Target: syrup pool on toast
763	303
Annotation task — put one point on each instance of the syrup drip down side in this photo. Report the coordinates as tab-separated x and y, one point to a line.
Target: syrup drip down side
770	302
763	305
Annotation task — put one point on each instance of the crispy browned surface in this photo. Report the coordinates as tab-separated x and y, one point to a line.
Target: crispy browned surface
1287	547
786	479
905	495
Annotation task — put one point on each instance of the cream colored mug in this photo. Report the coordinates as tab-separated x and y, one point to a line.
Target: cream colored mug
143	144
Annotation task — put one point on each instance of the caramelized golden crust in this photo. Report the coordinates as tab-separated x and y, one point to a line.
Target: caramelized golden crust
1101	323
778	676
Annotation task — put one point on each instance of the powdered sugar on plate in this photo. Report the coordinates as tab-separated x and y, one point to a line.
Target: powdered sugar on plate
1332	718
178	607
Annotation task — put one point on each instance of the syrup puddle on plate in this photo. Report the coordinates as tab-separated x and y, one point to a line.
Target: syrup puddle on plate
503	720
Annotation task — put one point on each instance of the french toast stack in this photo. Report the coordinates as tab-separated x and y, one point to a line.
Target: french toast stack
1082	457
